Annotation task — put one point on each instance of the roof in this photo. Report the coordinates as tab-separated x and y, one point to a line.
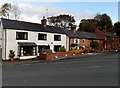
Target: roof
22	25
71	34
108	34
27	44
73	45
88	35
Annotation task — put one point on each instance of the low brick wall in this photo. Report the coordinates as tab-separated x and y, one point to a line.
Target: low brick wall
49	56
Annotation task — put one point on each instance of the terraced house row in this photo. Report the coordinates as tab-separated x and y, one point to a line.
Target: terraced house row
28	39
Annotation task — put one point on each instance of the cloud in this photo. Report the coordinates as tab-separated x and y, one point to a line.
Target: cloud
34	13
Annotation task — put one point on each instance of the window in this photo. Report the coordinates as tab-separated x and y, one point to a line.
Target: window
57	37
83	40
43	48
27	50
76	41
21	35
56	48
42	36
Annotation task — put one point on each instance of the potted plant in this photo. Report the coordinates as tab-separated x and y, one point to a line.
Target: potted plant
12	55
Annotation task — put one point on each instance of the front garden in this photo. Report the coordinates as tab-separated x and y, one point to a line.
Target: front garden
49	55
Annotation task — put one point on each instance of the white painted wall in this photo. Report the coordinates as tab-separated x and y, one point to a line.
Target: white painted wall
12	43
0	34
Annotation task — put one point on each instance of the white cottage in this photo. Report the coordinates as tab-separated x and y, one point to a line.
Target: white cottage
28	39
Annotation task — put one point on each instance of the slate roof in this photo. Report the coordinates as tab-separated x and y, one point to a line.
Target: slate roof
108	34
73	45
21	25
71	34
88	35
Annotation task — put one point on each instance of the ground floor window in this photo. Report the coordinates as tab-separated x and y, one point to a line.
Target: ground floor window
27	50
43	48
56	48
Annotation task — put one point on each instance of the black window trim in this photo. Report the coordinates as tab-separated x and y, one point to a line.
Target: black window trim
57	35
42	34
21	38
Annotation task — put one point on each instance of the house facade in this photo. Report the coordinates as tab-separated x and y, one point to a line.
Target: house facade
111	41
82	39
29	39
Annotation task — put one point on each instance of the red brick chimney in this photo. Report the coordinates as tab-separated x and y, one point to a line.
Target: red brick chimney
73	28
43	21
96	29
104	30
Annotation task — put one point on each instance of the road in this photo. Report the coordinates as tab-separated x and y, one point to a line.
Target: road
96	70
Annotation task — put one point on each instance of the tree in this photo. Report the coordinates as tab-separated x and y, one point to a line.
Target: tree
117	28
15	11
5	10
63	21
87	25
104	21
9	10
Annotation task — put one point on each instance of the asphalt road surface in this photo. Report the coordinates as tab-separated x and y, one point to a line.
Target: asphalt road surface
96	70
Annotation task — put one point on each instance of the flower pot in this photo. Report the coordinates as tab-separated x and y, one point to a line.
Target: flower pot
11	59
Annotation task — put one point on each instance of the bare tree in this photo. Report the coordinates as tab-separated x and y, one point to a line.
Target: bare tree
15	11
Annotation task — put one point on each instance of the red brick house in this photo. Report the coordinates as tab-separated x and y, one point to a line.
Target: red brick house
82	39
87	37
111	41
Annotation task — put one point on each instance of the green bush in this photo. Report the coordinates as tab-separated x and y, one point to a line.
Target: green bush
94	44
48	51
62	49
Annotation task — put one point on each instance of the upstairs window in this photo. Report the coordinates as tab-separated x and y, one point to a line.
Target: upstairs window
57	37
21	36
42	36
83	41
76	41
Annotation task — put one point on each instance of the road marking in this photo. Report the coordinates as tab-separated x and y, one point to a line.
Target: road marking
97	66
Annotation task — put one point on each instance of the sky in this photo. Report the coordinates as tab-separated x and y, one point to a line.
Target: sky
34	10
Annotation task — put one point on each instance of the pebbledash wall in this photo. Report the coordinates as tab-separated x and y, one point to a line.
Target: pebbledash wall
10	42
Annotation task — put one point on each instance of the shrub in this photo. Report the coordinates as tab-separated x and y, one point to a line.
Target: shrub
77	51
62	49
94	44
48	51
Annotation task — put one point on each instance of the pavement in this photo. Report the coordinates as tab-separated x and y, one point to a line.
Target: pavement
85	70
36	60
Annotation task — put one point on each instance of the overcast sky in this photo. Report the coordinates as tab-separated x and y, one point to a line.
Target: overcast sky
34	10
